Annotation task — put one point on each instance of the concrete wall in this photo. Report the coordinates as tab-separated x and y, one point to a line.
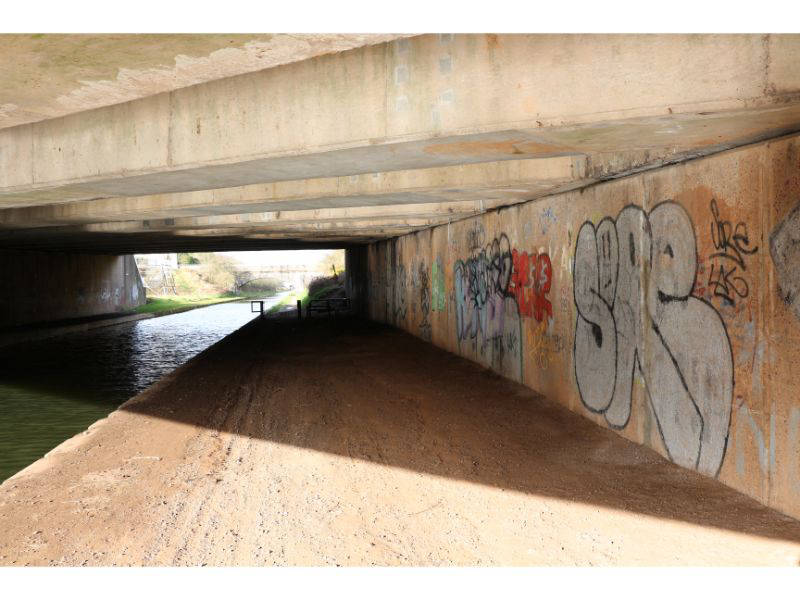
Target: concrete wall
355	271
664	305
44	286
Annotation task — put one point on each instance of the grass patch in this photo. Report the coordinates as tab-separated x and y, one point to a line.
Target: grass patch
319	293
303	296
159	304
288	299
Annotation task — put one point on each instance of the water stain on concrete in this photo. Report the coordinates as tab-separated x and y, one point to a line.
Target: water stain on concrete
784	248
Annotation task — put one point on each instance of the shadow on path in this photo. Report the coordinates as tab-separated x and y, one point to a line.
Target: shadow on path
367	391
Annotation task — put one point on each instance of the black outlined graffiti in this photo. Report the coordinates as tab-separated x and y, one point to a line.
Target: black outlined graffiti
486	312
437	286
632	282
422	283
732	245
400	308
476	237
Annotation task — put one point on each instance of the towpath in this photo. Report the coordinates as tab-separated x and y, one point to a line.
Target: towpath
344	442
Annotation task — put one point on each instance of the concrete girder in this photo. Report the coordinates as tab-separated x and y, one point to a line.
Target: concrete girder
419	102
417	216
51	75
118	237
511	181
148	243
455	192
235	227
373	227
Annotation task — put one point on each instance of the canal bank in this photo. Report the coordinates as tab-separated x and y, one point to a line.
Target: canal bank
339	441
41	331
51	389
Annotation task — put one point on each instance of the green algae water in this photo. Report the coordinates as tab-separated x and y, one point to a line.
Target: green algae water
55	388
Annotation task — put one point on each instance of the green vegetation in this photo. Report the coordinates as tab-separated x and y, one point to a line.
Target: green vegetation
159	304
288	300
187	258
206	274
332	263
319	293
304	296
321	285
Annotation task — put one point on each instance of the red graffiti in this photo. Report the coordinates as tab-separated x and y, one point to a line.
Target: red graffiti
531	278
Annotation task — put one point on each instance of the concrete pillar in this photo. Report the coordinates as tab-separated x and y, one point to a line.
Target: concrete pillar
355	264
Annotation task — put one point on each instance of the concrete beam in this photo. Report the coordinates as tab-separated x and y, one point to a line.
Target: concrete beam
372	227
234	224
117	244
416	103
511	180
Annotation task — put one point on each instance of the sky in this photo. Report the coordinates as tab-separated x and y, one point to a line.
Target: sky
278	257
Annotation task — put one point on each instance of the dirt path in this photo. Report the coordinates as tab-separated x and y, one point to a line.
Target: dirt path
348	443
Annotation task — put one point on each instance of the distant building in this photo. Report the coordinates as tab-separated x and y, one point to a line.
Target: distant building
156	271
169	260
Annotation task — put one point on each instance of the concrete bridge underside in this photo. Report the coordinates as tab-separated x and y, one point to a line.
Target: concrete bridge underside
380	140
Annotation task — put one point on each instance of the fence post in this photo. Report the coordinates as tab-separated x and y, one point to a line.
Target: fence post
299	311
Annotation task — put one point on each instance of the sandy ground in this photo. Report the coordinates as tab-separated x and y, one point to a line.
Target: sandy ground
349	443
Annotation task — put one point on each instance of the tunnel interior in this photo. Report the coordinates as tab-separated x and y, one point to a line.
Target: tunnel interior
589	297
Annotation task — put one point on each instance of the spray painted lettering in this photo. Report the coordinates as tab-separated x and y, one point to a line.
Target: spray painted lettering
632	282
531	279
732	245
542	348
421	282
437	286
486	312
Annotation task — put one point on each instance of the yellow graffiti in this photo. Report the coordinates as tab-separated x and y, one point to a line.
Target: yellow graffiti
541	347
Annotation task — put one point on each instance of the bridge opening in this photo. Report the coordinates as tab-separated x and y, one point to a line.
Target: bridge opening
59	377
196	276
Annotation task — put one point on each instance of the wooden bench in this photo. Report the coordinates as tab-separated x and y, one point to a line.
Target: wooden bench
328	305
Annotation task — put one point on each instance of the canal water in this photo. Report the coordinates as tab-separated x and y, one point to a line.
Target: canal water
55	388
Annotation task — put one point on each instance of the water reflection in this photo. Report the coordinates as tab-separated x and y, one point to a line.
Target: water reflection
52	389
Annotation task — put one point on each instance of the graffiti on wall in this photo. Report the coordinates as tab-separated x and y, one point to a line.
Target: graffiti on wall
531	279
438	296
476	237
748	428
495	289
422	285
726	278
486	311
542	346
784	249
632	283
400	307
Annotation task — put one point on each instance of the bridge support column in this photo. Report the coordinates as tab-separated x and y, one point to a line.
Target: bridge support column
48	286
355	265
